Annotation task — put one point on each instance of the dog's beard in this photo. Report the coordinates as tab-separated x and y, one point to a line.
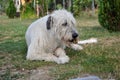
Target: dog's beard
70	41
75	40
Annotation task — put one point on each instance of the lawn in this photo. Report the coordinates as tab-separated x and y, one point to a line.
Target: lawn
101	59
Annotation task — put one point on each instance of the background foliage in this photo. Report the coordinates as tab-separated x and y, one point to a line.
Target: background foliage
27	11
109	14
79	5
82	5
11	10
3	5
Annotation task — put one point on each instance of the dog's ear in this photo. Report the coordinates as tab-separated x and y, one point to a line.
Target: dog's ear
49	22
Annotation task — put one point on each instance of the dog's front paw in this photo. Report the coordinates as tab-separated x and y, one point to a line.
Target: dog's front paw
79	48
63	60
76	47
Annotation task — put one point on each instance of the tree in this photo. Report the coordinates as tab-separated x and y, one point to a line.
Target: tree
11	10
109	14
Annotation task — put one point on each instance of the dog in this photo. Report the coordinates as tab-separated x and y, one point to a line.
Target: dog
48	36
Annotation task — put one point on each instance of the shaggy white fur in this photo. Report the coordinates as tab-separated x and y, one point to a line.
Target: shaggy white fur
47	37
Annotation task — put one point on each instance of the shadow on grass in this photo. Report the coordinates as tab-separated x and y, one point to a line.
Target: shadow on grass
16	52
12	47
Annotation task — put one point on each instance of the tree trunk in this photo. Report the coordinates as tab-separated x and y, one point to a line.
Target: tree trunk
93	7
17	5
64	4
34	3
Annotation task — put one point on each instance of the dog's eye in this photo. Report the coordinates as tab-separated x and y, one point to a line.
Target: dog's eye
64	24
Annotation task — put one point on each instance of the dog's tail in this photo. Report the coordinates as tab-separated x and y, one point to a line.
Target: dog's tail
91	40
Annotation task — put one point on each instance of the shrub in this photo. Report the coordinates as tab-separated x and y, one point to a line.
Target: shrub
11	10
109	14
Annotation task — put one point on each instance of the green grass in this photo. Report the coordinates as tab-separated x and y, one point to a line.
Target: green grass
101	59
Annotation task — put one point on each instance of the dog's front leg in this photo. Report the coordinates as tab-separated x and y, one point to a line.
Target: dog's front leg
60	53
76	47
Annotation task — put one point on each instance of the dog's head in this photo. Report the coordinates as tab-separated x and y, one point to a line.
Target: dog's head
62	24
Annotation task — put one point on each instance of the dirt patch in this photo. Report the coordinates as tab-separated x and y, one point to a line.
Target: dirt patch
40	74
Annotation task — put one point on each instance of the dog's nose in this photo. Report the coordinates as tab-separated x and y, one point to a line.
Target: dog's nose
74	35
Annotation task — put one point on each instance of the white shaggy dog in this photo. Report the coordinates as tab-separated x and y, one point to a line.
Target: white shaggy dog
47	37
